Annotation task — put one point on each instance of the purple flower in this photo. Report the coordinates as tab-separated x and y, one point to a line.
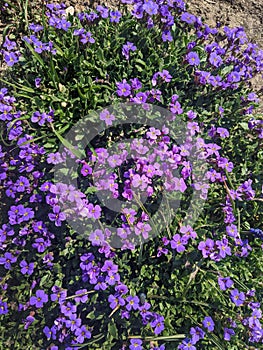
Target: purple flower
79	32
127	48
223	247
153	133
40	244
39	118
143	229
188	18
136	344
6	230
86	260
10	58
9	45
50	332
124	89
136	84
139	181
165	75
91	16
18	214
150	7
35	27
178	243
155	95
26	268
59	23
193	58
133	303
144	310
45	186
3	308
167	36
107	117
82	296
233	77
86	170
87	38
137	11
73	323
58	294
209	323
68	309
21	184
109	267
187	344
96	237
101	285
232	230
15	130
28	321
223	132
225	283
193	128
115	301
252	96
228	332
82	334
40	298
48	258
176	108
115	16
7	260
129	215
121	288
158	324
177	185
5	112
224	163
54	158
188	232
237	297
141	97
215	60
112	279
28	214
104	12
57	216
197	334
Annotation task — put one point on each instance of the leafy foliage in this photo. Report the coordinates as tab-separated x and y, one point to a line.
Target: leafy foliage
186	287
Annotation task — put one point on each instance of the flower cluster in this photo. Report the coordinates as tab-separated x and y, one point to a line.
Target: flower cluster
39	46
79	290
10	54
57	16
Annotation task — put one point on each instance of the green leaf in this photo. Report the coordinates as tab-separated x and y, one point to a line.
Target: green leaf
35	54
79	154
112	329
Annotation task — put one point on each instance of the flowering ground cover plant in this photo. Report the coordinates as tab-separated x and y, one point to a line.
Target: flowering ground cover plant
93	253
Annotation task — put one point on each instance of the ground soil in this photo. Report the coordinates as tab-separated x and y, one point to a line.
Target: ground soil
244	13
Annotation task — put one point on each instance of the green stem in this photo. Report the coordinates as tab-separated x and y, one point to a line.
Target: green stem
17	86
26	13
